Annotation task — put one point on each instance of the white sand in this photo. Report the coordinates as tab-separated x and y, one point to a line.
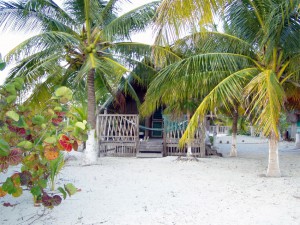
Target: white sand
131	191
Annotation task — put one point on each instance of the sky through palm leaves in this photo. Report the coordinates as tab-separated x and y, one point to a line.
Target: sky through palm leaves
8	40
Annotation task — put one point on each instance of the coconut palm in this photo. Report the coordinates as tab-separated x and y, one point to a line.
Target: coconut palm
72	43
82	41
254	62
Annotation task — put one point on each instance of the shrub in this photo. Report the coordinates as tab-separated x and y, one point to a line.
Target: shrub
36	141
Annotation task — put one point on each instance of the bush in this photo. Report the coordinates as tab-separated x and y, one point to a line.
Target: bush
36	141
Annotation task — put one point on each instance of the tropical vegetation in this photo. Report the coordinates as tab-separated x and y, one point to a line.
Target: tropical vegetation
36	142
73	44
254	62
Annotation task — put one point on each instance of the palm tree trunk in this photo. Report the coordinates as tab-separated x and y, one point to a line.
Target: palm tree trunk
91	151
91	98
233	151
273	165
189	147
203	137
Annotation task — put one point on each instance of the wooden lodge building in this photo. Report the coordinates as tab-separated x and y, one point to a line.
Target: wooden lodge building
121	131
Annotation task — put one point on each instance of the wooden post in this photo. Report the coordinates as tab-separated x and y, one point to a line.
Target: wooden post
202	138
147	124
137	138
164	142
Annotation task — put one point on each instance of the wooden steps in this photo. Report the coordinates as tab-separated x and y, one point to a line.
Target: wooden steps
150	149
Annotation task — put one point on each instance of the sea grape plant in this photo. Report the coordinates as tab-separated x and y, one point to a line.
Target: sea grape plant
36	141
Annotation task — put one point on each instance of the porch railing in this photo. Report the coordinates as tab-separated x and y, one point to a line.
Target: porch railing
118	134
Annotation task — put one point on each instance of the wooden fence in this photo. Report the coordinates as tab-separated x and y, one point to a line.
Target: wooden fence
218	129
173	131
118	134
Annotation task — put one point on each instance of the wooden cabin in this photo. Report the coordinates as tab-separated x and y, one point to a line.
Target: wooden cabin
122	132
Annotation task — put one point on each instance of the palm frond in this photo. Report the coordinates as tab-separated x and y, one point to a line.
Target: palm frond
43	91
34	68
192	78
138	51
45	41
207	42
134	21
31	15
226	93
176	18
267	101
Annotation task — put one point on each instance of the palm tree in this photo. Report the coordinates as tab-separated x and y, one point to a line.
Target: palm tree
253	63
79	38
81	41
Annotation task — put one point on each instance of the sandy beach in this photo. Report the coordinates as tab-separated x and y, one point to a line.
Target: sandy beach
133	191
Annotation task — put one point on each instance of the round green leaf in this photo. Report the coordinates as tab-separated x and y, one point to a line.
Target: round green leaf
26	145
61	190
50	140
11	99
10	88
38	120
9	186
71	189
42	183
80	125
58	109
36	191
4	148
21	122
63	92
18	192
13	115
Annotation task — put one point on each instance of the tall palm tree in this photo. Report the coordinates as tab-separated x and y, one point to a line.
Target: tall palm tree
82	41
253	63
73	43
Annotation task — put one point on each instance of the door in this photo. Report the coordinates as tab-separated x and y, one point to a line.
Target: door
157	124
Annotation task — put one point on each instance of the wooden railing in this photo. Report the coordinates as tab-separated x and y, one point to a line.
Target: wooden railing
174	130
118	134
219	129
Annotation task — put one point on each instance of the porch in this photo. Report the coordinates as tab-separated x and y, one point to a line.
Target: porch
122	135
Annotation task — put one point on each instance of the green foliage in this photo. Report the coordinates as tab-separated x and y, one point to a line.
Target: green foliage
27	145
50	140
38	120
81	125
13	115
36	191
2	66
284	124
9	186
43	136
70	189
11	99
55	166
63	192
4	148
86	34
251	63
